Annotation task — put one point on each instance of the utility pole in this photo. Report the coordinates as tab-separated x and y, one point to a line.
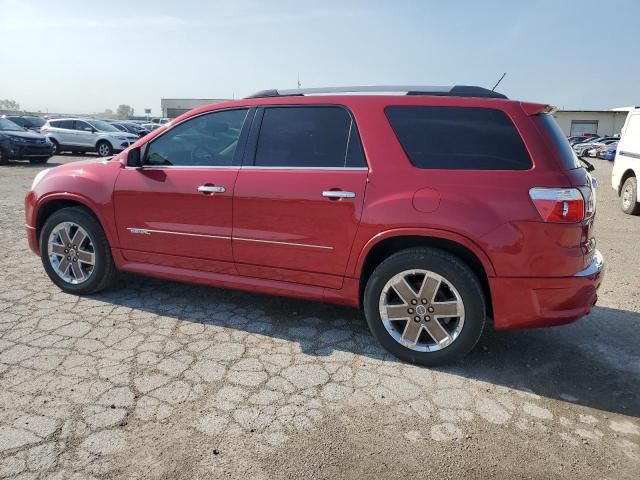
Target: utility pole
498	82
299	83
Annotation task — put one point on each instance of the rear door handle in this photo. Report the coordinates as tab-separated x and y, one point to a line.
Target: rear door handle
210	189
338	194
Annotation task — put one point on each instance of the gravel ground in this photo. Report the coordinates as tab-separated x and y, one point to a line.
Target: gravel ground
164	380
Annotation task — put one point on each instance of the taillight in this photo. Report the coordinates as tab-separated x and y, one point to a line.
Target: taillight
559	205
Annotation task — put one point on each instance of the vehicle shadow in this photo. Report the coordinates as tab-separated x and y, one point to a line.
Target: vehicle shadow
594	362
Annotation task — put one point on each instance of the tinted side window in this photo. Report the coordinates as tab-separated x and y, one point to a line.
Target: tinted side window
203	141
83	126
459	138
18	121
308	137
62	124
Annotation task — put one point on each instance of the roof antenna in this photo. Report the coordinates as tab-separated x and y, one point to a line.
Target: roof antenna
498	82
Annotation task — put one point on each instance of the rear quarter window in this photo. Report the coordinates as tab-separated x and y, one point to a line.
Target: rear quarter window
549	125
458	138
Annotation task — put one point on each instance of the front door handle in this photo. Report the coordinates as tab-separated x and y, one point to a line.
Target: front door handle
210	189
338	194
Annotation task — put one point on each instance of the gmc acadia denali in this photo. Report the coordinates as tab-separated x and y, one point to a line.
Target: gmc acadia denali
433	209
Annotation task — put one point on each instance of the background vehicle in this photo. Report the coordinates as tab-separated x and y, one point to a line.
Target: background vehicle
609	152
27	121
160	121
435	228
17	143
582	149
580	139
626	167
86	135
150	126
130	128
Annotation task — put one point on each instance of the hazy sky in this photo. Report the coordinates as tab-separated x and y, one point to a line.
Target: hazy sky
86	56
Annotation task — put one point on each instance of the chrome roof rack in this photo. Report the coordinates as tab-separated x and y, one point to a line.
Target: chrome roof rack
455	91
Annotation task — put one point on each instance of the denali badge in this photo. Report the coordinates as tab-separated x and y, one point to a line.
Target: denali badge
139	231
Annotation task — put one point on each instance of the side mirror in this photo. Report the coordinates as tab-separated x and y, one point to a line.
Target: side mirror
133	158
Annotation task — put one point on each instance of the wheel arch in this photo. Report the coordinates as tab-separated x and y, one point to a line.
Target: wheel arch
626	175
384	245
53	203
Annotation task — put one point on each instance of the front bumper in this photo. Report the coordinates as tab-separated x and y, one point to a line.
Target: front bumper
16	151
545	302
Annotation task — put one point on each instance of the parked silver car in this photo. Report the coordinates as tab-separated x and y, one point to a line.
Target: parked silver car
86	135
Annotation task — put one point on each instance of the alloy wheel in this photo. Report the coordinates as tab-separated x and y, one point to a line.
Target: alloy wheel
421	310
103	149
71	252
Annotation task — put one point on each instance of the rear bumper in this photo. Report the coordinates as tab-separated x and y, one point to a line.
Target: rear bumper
545	302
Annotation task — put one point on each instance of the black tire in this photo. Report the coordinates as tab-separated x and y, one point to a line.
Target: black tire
4	158
630	187
39	160
457	273
56	147
104	148
104	272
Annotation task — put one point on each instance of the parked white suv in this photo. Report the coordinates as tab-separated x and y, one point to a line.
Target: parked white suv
86	135
626	167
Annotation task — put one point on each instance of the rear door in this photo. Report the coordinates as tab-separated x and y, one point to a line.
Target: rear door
176	210
63	131
299	196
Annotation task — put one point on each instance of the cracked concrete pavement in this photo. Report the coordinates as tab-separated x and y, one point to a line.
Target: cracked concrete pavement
157	379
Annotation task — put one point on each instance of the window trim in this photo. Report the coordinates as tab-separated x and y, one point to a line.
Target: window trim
241	143
483	107
249	158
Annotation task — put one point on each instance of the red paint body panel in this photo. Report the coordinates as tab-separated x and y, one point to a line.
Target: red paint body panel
272	231
167	200
287	206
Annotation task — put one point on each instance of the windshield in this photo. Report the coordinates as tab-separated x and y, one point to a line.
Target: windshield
9	126
103	126
35	121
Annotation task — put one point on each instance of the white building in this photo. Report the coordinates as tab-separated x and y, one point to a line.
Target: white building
601	122
174	107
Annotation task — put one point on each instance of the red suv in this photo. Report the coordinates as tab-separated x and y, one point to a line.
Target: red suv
430	208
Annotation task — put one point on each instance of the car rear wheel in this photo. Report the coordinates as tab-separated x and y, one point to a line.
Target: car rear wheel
629	197
75	252
104	149
4	158
425	306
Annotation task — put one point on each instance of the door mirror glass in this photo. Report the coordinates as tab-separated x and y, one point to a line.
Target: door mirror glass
133	158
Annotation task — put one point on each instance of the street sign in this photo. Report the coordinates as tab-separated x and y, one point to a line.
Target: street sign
147	111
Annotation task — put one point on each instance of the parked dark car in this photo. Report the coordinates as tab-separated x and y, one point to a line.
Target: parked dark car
27	121
18	143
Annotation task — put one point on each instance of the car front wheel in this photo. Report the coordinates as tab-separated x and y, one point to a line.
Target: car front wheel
425	306
75	252
104	149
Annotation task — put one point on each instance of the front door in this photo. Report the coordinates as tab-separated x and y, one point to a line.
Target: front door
84	134
176	210
298	198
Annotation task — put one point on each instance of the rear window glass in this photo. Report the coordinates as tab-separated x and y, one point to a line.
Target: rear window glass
459	138
566	154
